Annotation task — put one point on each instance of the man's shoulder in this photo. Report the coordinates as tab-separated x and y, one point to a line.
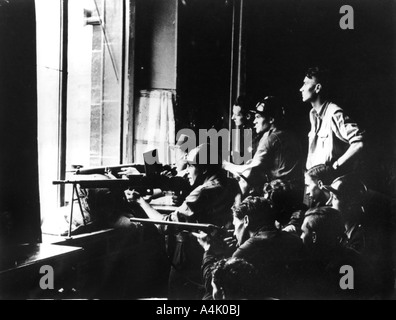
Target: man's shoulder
212	186
283	134
333	108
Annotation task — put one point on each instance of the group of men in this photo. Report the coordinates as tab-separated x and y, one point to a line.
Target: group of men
277	246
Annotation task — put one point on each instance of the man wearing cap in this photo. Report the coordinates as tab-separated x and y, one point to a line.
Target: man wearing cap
323	275
278	155
210	202
334	138
347	194
365	231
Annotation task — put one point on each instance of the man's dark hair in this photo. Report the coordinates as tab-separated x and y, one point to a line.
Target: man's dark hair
283	197
322	76
326	222
236	277
259	211
245	103
322	172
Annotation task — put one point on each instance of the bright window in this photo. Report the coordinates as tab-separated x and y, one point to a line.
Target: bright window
93	90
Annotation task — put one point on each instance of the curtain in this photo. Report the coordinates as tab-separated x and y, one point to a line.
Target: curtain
19	195
155	125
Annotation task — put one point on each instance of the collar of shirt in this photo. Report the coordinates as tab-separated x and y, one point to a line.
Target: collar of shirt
266	232
328	203
269	132
321	112
352	229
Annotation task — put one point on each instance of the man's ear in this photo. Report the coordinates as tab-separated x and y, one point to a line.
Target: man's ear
314	237
246	220
318	87
271	120
320	184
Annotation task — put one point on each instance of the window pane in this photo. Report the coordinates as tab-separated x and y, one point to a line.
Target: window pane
48	21
94	83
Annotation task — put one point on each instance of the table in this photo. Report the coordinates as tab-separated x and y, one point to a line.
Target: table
21	269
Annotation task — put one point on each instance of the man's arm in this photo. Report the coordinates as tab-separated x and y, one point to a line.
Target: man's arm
133	196
257	164
350	155
239	169
348	131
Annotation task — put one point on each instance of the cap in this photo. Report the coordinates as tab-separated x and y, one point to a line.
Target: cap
270	107
205	154
347	185
198	155
183	138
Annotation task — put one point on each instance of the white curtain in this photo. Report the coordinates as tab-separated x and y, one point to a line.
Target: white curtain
155	125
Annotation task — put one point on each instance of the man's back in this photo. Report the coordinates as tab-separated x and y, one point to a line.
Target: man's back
280	156
338	274
276	255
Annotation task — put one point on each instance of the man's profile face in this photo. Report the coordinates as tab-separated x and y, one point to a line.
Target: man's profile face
237	116
308	89
306	233
193	173
261	124
240	231
312	189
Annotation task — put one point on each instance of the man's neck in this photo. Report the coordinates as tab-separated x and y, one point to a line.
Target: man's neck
318	103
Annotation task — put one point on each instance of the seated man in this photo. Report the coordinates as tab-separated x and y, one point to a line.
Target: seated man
278	155
210	202
367	232
322	230
234	279
274	253
284	200
315	180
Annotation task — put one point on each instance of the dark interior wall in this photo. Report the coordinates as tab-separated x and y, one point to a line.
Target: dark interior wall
156	33
285	37
204	61
282	38
19	197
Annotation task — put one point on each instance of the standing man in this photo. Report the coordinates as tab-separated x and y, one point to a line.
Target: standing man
334	138
242	119
278	155
240	113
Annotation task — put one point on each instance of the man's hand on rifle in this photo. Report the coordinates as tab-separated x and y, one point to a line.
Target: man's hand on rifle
132	196
217	245
129	171
230	241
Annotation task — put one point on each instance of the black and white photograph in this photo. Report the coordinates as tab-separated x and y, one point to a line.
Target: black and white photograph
187	151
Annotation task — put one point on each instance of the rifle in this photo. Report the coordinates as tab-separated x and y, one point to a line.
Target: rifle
141	183
208	228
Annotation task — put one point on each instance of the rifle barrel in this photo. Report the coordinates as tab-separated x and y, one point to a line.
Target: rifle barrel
201	226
